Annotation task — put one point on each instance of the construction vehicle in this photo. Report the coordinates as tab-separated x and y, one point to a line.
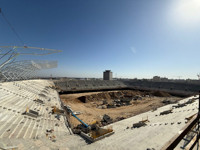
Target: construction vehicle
91	132
58	111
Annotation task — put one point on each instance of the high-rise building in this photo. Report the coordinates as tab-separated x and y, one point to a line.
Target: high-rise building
107	75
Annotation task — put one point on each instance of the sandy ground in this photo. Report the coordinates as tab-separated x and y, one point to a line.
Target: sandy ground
89	112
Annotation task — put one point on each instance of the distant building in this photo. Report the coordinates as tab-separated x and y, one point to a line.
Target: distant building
107	75
164	79
156	78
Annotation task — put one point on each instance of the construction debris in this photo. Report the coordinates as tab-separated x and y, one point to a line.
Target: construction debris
39	101
106	120
138	125
115	103
57	116
190	117
150	148
77	112
31	113
166	112
50	131
179	105
120	118
190	101
50	135
117	97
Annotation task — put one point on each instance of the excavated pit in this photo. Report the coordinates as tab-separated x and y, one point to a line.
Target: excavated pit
107	107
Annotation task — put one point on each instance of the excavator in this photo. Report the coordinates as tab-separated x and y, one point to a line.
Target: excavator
91	132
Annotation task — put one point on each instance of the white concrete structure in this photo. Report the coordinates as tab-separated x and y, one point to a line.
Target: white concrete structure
158	131
25	132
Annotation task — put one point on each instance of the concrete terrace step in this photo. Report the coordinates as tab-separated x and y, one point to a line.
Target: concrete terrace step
15	98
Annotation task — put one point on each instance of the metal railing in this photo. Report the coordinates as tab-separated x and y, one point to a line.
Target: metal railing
191	126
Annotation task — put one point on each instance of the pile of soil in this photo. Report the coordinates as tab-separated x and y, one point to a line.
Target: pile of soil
109	96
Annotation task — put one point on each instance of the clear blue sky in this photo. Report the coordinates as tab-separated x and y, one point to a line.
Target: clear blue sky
133	38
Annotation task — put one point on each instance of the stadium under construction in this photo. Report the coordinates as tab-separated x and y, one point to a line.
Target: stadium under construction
34	116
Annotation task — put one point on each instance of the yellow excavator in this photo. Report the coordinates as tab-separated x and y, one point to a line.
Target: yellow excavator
94	132
58	111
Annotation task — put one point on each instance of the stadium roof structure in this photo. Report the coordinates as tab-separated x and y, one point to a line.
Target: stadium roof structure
11	69
26	69
26	50
10	53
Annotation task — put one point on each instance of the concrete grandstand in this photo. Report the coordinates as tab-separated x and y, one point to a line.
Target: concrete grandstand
47	131
75	85
172	87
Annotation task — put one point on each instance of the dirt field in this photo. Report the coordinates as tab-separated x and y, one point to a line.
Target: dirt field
91	107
